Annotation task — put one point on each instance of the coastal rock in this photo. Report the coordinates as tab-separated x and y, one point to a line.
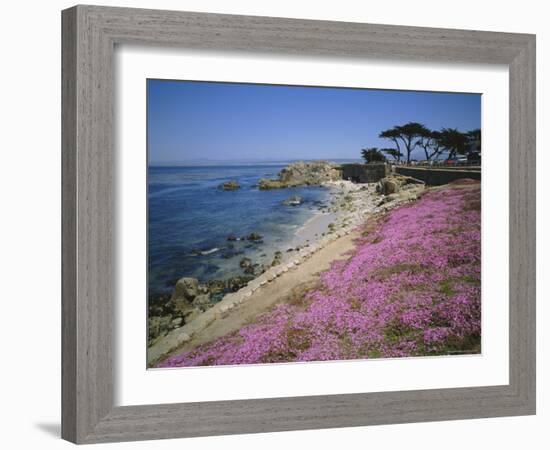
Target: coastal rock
245	262
158	326
203	289
231	185
248	266
186	288
177	322
184	293
202	300
181	306
303	174
387	199
254	237
277	258
394	183
389	186
265	184
159	305
236	283
216	286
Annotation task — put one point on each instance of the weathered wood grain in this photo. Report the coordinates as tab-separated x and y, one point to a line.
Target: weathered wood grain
89	36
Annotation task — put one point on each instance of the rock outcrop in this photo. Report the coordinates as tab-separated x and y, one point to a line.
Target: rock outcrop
254	237
398	188
303	174
230	185
202	300
188	300
245	262
186	290
395	183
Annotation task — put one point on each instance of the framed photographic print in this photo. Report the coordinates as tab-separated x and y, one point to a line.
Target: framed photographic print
278	224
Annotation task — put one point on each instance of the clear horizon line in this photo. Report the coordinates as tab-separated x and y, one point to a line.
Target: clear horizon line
244	161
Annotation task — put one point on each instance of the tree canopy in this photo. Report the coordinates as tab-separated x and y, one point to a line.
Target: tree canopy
474	136
455	142
430	142
405	134
393	152
372	154
434	143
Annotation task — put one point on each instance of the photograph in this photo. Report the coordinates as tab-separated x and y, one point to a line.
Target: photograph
260	225
297	223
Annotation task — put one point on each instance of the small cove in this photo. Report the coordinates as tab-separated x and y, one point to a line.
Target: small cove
190	220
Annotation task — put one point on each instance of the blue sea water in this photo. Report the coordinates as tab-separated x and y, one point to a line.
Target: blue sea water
190	219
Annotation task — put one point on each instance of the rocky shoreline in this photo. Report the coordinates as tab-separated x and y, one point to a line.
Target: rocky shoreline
314	173
192	306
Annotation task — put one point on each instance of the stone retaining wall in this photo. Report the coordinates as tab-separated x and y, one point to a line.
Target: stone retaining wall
437	177
364	173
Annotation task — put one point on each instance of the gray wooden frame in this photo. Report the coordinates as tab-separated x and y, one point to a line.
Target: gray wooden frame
89	36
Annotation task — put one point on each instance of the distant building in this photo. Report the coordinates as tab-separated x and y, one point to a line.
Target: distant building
364	173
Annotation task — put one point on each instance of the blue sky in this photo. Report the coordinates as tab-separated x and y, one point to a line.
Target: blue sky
192	122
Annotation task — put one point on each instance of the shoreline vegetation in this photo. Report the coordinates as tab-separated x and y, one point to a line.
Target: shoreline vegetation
294	277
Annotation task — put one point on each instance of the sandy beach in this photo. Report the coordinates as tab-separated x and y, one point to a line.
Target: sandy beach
350	204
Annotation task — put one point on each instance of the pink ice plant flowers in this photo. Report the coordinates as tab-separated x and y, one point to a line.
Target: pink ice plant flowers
411	287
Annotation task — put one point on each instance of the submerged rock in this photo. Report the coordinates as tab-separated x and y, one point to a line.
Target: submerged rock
216	286
231	185
245	262
231	253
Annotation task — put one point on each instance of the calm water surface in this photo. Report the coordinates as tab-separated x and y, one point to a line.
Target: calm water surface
190	218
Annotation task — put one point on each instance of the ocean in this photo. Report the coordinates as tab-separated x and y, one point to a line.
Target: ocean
190	219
